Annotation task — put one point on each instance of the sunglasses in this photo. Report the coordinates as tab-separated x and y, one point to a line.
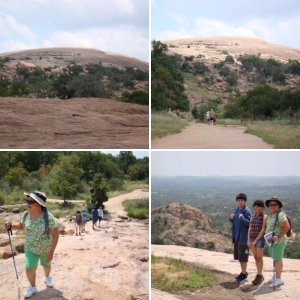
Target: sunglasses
273	205
29	201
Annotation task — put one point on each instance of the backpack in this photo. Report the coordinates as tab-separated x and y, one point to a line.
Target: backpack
289	233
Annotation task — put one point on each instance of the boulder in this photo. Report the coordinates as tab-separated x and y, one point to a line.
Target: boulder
7	253
16	210
61	229
20	247
4	242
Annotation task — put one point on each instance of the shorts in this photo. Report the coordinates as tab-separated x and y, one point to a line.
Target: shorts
260	243
94	220
83	222
240	252
277	250
99	218
32	260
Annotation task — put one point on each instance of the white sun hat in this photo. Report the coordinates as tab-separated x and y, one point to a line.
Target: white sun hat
39	197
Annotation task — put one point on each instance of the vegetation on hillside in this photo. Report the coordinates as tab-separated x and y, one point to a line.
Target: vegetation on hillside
91	80
169	274
138	208
68	175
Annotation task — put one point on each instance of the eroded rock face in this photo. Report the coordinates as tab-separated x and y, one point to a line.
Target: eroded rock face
180	224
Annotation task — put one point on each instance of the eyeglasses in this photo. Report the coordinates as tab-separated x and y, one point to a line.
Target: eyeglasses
273	205
29	201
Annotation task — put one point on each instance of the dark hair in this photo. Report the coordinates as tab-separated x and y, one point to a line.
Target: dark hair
259	203
241	196
78	212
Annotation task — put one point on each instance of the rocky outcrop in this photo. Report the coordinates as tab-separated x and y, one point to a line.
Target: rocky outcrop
184	225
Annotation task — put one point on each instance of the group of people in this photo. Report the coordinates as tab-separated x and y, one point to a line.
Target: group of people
211	117
249	231
82	217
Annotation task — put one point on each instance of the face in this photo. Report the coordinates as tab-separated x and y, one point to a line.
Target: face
258	209
31	204
241	203
273	207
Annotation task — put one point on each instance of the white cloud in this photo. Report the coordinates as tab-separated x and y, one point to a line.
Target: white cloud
13	45
126	40
9	26
172	35
180	19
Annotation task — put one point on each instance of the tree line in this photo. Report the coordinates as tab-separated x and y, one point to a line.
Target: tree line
68	175
91	80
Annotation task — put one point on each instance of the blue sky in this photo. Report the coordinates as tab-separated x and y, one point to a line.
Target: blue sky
225	163
120	26
137	154
276	21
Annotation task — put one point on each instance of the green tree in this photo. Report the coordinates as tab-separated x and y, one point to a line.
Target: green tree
65	177
98	192
16	176
126	159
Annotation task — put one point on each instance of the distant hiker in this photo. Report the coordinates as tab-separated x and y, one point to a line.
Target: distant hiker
213	117
78	222
207	117
256	241
240	219
95	216
41	237
84	216
278	224
100	215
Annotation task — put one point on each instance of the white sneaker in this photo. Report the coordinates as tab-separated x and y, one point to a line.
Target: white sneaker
276	283
49	282
30	291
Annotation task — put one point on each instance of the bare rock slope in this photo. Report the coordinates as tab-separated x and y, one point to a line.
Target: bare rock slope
181	224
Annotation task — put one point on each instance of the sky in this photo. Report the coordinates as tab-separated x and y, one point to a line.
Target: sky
137	154
276	21
225	163
120	26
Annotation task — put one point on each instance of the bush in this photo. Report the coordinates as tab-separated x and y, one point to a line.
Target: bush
138	209
139	97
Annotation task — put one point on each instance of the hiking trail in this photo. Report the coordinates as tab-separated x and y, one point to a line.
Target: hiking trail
203	136
110	262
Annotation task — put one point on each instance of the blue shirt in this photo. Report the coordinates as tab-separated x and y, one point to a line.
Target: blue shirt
94	214
240	225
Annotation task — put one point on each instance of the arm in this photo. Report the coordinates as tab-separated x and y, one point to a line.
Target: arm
286	227
245	219
55	235
19	226
249	242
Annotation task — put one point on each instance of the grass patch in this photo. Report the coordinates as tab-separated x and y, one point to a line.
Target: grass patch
277	133
130	186
168	274
163	124
138	208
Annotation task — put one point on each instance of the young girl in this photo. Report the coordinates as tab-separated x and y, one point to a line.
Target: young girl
78	222
256	241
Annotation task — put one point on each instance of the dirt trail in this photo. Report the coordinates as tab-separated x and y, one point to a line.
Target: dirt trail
108	263
202	136
89	123
225	263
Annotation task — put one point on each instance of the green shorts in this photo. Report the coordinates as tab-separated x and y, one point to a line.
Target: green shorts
32	260
277	250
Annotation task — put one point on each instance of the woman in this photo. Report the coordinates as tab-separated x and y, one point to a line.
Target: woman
278	224
256	241
41	237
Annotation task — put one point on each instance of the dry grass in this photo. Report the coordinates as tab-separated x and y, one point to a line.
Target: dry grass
282	136
163	124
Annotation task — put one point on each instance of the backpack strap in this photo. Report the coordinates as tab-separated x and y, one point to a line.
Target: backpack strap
46	220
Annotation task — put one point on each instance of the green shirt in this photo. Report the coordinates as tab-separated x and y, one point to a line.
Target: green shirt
36	241
271	222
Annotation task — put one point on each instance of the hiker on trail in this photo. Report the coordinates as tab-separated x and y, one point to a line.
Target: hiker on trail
95	216
41	237
207	117
240	219
78	222
100	215
84	216
277	223
213	117
256	241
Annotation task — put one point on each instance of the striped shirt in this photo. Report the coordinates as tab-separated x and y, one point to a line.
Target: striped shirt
256	223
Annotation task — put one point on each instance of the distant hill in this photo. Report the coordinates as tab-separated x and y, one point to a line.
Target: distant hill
61	57
184	225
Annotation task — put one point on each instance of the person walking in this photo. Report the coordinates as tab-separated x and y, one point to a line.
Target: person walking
213	117
100	215
78	222
84	216
41	237
278	224
256	241
95	216
240	219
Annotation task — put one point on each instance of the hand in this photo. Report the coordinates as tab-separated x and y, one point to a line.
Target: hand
241	216
232	216
253	243
49	256
249	244
8	226
276	239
